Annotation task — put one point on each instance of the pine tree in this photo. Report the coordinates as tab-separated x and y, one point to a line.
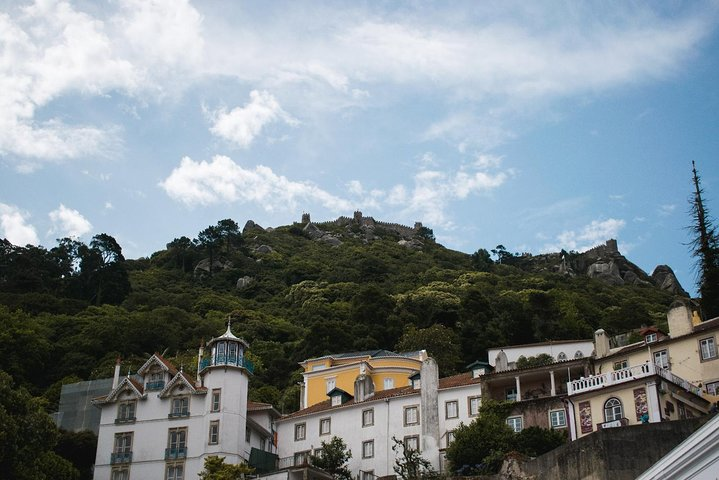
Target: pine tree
705	246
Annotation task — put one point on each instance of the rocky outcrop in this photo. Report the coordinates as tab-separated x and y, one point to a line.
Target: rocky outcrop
203	267
414	244
244	282
313	231
264	249
664	278
607	271
251	226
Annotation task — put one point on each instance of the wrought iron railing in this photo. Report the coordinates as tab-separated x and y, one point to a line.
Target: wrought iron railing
227	360
179	414
120	420
158	385
120	457
175	453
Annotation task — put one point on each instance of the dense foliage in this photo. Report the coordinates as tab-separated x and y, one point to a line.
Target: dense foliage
332	457
480	447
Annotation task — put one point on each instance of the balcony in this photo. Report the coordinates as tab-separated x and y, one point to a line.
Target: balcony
298	460
180	414
228	360
122	420
158	385
175	453
597	382
120	457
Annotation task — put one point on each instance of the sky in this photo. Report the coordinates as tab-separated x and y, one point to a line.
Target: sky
534	125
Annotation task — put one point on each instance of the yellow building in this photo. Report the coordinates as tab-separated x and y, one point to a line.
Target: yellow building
662	377
358	373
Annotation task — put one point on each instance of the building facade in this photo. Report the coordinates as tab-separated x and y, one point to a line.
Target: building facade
162	423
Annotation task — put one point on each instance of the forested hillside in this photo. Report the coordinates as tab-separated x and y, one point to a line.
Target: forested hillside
292	293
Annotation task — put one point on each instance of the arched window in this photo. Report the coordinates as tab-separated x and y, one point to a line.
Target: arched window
612	410
579	354
561	356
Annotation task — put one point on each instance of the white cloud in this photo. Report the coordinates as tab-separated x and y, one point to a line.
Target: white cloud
68	222
595	233
223	180
242	124
666	210
15	227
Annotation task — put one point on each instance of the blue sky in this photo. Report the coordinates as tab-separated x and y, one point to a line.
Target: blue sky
536	125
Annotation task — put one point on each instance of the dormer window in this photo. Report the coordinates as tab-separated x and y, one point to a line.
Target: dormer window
650	338
336	400
417	383
156	381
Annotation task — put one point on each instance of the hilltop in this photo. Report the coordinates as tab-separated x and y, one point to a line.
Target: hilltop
305	290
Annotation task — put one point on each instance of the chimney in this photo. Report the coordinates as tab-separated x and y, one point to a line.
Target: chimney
601	344
679	318
429	374
116	376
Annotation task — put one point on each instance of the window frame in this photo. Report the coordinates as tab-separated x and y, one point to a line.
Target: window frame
661	353
616	408
387	383
216	400
514	422
214	425
449	438
712	388
406	410
447	409
620	365
328	422
330	384
300	431
365	445
184	406
122	416
561	357
174	465
367	475
552	424
120	472
414	438
303	455
478	398
510	394
369	411
651	337
710	341
121	447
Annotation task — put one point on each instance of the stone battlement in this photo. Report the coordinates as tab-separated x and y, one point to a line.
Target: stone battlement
359	219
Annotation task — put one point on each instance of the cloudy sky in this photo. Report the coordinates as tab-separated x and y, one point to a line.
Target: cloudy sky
536	125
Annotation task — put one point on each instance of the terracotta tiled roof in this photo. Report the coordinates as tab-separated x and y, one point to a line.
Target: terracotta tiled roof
458	380
258	405
167	363
140	387
552	342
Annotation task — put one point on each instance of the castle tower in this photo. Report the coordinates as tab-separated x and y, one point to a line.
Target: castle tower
305	218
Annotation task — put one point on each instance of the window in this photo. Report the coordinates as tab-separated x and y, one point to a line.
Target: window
450	437
411	415
215	407
661	358
515	423
368	449
557	418
612	410
388	383
368	417
367	475
713	388
411	443
176	443
620	364
578	354
156	381
248	434
120	473
511	394
175	471
562	356
122	449
214	437
650	338
301	458
180	407
708	348
300	431
324	426
416	383
330	384
451	409
336	400
474	403
126	411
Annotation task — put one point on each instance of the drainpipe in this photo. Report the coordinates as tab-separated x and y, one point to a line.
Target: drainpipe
571	420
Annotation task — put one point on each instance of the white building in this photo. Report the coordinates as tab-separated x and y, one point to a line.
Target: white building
422	418
505	358
162	423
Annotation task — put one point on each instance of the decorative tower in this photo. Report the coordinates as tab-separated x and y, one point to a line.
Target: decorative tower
224	372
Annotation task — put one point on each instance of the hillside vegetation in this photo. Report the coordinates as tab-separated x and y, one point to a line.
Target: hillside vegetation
68	312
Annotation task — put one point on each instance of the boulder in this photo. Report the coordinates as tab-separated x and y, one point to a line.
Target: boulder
313	231
664	278
414	244
244	282
330	240
607	271
250	225
203	266
264	249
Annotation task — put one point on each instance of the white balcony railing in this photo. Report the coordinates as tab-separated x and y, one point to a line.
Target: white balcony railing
596	382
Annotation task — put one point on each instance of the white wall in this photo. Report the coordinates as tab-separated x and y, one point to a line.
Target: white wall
553	349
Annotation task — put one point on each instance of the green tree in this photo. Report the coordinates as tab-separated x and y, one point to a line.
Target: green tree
332	458
79	448
535	441
534	361
217	469
705	247
27	437
409	464
441	343
481	260
426	233
210	239
479	448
